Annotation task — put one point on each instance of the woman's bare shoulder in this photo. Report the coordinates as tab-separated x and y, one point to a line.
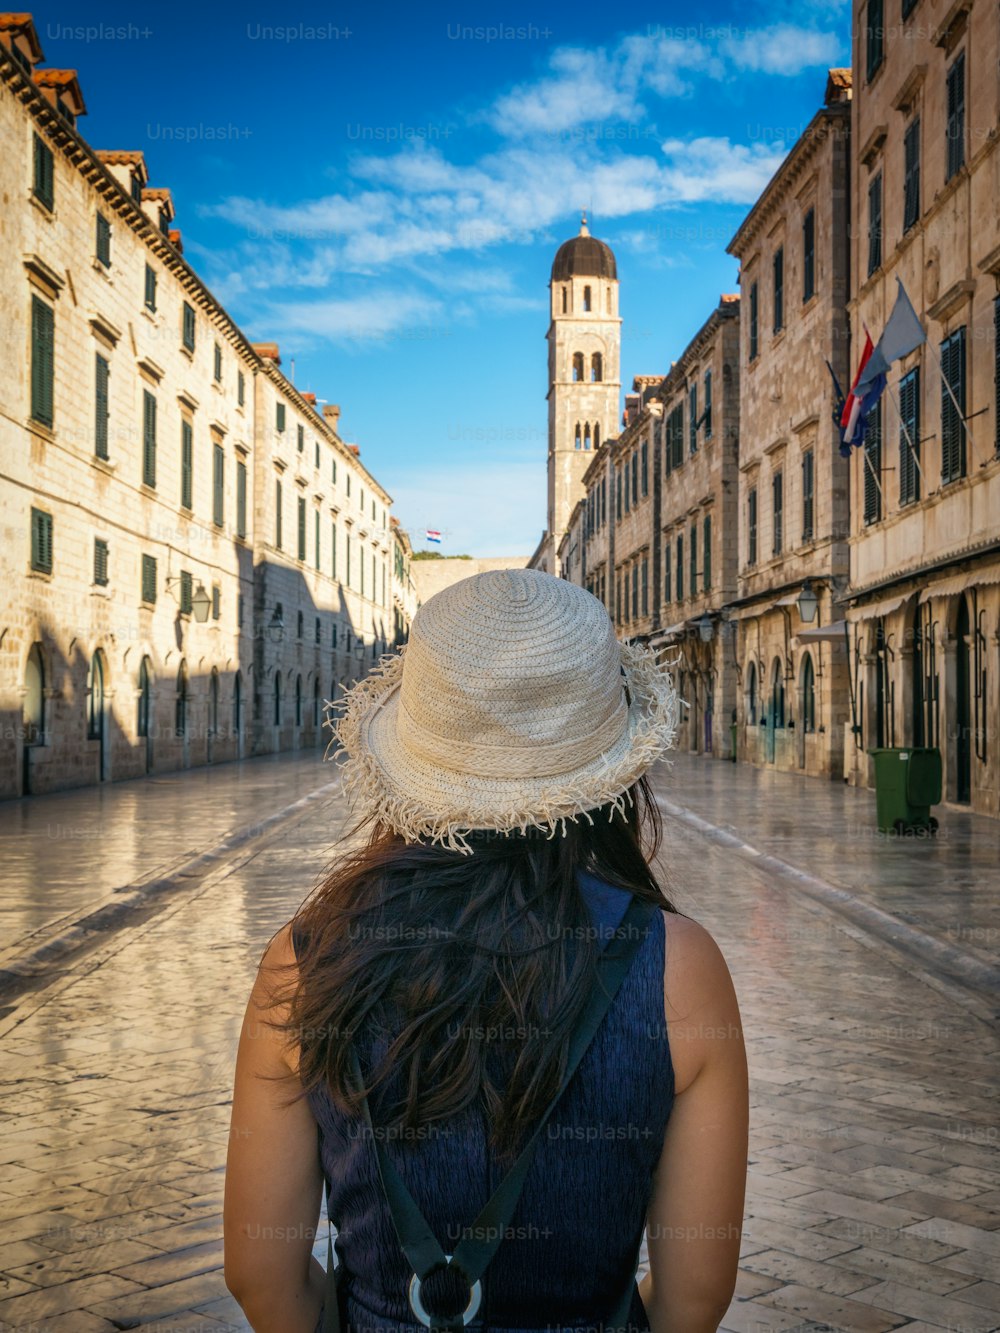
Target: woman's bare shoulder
700	1005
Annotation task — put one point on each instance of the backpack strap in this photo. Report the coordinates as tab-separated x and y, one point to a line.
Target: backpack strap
475	1250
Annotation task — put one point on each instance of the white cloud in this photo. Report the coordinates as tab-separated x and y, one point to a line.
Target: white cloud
480	509
784	48
380	315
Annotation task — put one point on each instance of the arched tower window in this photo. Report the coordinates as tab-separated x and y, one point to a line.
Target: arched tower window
597	435
586	436
298	701
577	441
586	299
577	367
777	694
596	368
213	702
565	300
752	695
608	300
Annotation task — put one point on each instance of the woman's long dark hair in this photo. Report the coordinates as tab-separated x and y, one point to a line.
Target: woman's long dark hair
476	966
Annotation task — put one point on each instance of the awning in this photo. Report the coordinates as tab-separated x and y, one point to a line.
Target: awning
833	633
959	583
874	610
791	600
671	632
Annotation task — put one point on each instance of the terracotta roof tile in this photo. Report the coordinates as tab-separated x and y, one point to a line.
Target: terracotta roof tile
117	156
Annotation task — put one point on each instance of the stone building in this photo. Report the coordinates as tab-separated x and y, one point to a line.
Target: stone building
584	339
137	481
323	562
630	499
793	486
696	480
925	497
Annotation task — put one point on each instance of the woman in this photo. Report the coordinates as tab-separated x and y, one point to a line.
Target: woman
449	967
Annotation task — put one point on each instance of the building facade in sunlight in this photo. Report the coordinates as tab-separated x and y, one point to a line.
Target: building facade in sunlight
584	339
833	604
925	507
793	249
194	560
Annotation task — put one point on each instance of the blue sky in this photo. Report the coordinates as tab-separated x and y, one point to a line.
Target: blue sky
381	189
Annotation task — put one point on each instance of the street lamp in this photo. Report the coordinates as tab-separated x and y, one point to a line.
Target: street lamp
706	629
808	603
200	603
276	627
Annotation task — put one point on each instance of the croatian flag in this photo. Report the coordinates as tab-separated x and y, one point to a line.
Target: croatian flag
859	402
433	535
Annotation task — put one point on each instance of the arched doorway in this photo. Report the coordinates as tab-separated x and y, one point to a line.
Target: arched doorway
807	705
213	713
181	709
97	712
316	730
963	705
238	712
298	700
775	710
144	720
33	711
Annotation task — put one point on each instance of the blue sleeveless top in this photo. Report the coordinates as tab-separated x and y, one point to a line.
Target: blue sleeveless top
572	1241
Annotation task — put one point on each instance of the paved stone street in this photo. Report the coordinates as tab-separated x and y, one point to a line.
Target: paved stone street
874	1190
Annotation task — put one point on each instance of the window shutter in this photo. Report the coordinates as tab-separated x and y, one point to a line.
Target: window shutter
186	591
301	437
219	479
996	371
241	386
187	326
956	115
101	371
707	414
100	561
216	601
277	514
909	423
952	423
680	568
667	571
217	363
873	465
753	321
779	289
279	417
778	512
241	499
148	438
706	559
807	495
874	223
333	550
302	527
911	179
150	296
693	561
149	578
41	541
317	523
42	361
875	34
187	464
44	189
693	416
752	527
103	240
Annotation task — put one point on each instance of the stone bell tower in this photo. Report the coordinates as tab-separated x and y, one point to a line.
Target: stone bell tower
584	340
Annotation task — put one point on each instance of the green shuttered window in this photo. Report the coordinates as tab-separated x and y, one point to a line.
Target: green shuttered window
43	187
218	484
102	372
148	438
43	322
41	541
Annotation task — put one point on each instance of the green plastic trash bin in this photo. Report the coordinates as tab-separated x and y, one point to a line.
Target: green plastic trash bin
907	784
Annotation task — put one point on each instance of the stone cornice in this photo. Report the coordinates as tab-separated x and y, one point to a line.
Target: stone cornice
816	135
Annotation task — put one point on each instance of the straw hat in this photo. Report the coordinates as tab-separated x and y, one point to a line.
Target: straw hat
511	706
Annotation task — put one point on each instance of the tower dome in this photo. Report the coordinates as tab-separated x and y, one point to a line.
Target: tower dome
584	257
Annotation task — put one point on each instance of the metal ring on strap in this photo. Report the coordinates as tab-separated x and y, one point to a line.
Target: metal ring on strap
417	1305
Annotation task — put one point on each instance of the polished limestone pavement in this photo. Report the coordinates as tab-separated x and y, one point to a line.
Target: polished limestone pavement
874	1180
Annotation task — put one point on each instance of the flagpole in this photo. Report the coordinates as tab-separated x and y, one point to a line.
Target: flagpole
906	433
